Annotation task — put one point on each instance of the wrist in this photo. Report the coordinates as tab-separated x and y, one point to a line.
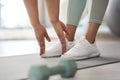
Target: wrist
54	21
36	26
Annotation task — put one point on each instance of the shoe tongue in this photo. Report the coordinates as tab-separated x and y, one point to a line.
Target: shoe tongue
70	42
58	44
83	41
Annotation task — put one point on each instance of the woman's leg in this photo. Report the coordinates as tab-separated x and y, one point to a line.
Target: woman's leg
75	10
96	16
84	49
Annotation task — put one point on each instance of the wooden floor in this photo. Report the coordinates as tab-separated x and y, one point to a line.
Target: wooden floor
107	72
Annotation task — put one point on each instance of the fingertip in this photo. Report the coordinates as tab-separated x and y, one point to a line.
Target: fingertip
41	53
49	40
63	52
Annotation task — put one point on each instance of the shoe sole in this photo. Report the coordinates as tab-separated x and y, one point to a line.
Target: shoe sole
53	56
84	58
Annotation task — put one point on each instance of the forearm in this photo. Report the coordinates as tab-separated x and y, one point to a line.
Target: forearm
32	9
53	10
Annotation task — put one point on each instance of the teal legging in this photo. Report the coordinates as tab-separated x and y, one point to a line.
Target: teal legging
76	7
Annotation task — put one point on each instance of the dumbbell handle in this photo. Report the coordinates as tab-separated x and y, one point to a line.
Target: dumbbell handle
57	70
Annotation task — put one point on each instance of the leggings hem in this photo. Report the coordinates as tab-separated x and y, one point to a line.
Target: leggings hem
95	21
71	23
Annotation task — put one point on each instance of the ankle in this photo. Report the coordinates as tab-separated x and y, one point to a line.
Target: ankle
90	39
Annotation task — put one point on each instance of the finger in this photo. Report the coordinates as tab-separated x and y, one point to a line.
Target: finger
63	47
64	28
47	37
63	42
42	45
42	48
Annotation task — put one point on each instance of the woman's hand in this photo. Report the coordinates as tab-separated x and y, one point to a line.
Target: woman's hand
61	31
41	34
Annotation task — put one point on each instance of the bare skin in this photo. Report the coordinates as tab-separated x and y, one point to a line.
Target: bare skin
71	30
62	31
39	29
90	34
53	10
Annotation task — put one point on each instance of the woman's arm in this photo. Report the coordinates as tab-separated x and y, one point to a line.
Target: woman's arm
53	11
40	31
32	9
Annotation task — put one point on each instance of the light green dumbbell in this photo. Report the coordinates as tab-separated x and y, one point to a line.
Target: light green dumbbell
66	68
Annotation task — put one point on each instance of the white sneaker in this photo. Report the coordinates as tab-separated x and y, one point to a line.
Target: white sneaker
55	50
82	50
